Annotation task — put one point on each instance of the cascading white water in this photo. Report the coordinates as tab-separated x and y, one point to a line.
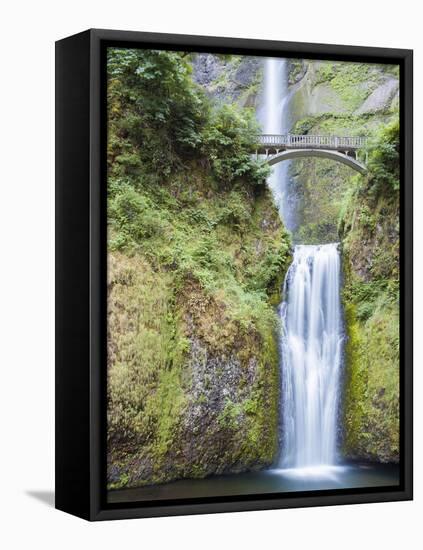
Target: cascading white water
311	348
274	120
311	320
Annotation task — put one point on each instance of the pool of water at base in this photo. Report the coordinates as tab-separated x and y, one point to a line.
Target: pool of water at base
275	480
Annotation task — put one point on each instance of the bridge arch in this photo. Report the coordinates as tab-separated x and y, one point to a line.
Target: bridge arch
320	153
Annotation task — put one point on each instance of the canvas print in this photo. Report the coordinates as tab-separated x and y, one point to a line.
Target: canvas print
253	275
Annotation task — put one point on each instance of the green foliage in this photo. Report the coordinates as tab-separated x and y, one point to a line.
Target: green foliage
303	126
368	295
142	331
200	238
326	191
228	140
326	72
340	124
149	373
384	160
155	112
133	215
159	119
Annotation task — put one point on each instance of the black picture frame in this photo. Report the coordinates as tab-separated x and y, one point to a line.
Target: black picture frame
81	274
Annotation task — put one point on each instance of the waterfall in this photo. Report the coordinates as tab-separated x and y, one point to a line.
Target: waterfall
311	319
311	348
275	120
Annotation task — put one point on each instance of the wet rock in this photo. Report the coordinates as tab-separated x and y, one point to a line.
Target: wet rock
297	69
207	68
230	78
380	99
324	99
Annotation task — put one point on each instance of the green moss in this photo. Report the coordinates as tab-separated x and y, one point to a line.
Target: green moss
229	418
371	407
263	406
349	80
165	407
318	186
121	484
355	382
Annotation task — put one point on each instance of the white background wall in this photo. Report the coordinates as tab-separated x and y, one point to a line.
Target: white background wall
28	31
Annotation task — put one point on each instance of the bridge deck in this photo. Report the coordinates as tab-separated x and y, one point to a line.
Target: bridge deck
271	143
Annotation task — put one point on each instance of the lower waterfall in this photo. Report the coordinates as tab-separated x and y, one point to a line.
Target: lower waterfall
311	355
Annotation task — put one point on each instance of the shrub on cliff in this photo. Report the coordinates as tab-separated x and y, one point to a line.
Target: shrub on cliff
384	164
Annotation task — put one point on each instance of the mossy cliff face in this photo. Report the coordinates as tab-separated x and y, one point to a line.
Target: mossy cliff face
371	403
328	98
193	364
197	256
370	230
362	212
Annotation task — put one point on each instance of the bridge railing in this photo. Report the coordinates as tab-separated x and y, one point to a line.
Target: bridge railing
305	141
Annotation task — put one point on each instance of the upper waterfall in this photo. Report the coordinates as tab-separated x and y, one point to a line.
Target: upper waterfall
275	120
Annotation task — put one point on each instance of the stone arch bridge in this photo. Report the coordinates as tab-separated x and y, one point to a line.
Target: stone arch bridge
277	148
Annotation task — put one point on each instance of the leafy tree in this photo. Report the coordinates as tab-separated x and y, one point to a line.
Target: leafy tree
227	140
155	113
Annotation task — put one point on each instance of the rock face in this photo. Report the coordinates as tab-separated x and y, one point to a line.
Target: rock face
222	419
324	100
229	78
207	69
194	378
297	69
380	99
